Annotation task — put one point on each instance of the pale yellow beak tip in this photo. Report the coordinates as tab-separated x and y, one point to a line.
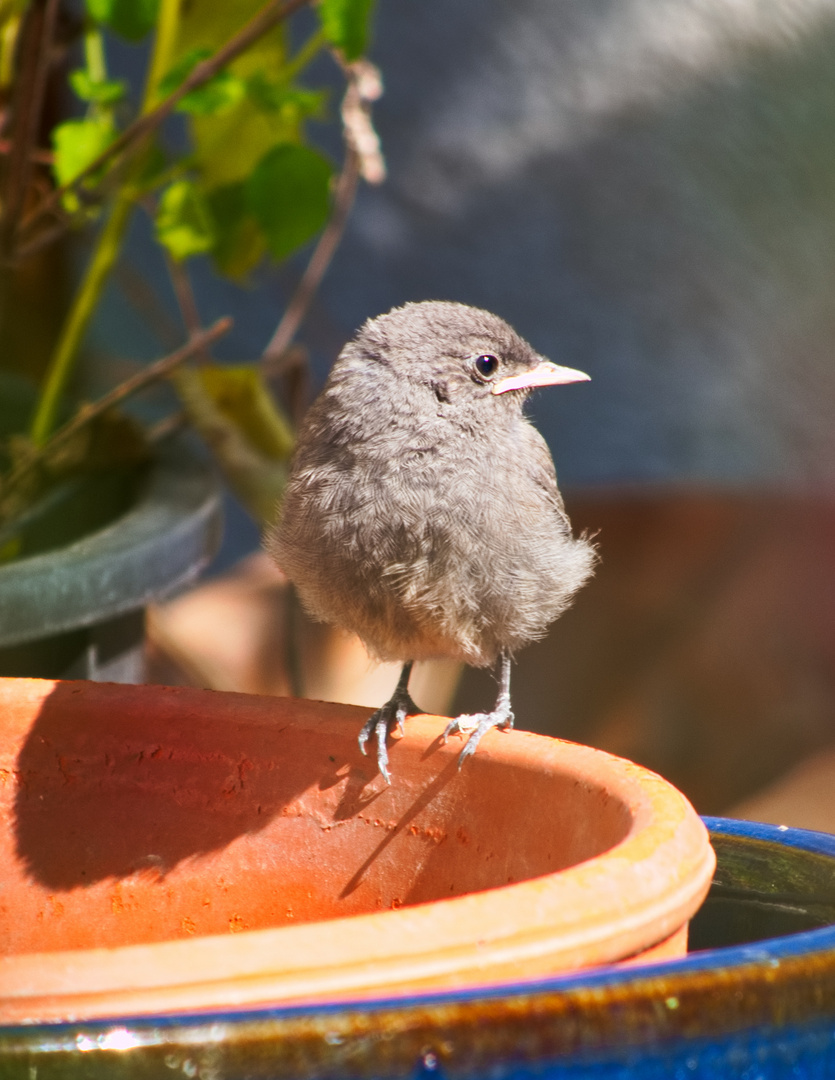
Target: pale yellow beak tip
544	374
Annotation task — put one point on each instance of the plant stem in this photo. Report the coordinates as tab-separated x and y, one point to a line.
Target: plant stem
37	32
158	370
107	248
168	24
94	54
269	16
85	303
311	48
320	260
8	43
356	129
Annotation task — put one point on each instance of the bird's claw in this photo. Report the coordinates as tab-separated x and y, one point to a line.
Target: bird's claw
476	727
378	724
382	723
463	725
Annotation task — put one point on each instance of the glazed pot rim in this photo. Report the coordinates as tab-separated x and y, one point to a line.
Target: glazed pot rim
157	546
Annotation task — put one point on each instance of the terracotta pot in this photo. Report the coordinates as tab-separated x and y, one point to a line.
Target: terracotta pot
174	849
758	1001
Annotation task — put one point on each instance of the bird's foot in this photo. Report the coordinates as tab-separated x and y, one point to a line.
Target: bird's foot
383	722
476	725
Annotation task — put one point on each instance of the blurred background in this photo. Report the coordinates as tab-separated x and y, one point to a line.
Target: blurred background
646	190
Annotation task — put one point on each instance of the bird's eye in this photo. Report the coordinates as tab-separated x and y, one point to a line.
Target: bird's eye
486	366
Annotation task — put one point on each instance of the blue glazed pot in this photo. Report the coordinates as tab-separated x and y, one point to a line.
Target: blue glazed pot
756	999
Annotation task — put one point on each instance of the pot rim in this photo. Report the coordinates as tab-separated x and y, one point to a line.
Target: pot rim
158	546
648	885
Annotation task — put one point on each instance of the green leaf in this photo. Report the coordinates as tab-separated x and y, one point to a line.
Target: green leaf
181	70
219	94
289	194
76	143
184	223
347	25
271	96
239	246
209	24
107	92
133	19
228	146
153	166
241	394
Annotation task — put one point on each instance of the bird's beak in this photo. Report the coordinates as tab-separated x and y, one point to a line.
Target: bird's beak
544	374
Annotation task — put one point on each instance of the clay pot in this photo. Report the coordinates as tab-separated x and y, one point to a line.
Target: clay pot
759	1001
176	850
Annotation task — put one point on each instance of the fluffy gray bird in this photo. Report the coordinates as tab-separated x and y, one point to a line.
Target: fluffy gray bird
422	510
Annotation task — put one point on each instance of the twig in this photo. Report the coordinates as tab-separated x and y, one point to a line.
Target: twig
44	239
36	45
141	296
152	373
86	413
186	300
316	268
270	15
362	158
36	155
175	421
365	86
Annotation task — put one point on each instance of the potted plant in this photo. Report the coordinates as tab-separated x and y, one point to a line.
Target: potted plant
85	489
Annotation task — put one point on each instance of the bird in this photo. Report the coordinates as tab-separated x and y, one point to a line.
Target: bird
422	511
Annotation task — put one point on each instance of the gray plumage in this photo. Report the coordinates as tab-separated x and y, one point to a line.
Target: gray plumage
422	510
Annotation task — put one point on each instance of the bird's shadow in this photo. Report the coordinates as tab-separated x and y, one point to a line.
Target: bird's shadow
108	787
423	800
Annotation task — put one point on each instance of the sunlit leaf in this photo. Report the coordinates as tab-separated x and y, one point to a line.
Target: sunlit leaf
181	70
216	96
289	194
209	24
242	396
228	146
347	24
106	92
220	93
183	223
133	19
77	143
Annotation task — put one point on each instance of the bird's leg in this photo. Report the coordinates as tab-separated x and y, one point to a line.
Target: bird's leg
387	718
478	724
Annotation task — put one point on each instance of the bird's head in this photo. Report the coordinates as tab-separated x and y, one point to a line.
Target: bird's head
462	354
